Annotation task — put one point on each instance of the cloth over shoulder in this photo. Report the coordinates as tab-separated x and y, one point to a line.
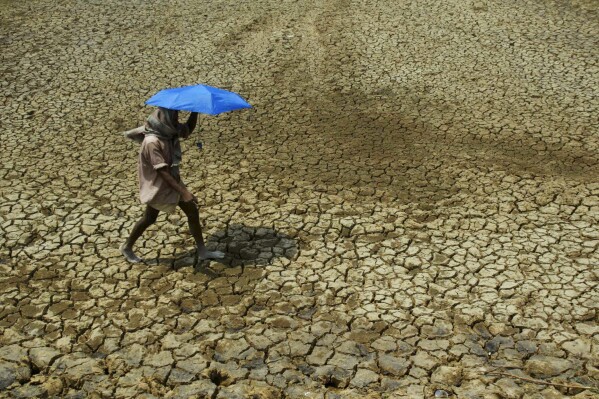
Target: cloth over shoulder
136	134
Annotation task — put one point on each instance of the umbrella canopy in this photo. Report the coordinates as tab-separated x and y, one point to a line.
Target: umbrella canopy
199	98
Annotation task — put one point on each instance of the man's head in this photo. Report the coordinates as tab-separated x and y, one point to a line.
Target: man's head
168	116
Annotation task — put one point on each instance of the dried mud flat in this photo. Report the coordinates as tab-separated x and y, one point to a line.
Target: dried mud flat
412	205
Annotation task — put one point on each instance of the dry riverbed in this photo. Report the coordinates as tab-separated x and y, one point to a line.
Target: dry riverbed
411	207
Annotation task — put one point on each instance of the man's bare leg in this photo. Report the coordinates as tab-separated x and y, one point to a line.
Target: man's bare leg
149	217
193	218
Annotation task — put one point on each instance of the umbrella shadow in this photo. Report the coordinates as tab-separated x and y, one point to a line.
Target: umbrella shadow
242	245
251	246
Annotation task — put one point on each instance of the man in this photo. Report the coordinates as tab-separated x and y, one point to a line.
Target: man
160	185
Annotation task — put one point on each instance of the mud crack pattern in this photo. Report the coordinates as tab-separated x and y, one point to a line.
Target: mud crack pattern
412	202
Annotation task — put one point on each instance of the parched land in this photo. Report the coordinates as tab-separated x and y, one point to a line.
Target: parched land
410	209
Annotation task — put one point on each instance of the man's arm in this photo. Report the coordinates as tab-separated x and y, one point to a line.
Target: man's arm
186	196
191	123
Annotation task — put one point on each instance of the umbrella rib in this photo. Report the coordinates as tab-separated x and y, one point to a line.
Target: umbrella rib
212	99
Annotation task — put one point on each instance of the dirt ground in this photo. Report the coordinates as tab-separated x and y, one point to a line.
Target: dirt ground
411	208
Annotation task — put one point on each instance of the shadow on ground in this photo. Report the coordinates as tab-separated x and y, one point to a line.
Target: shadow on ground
252	246
243	246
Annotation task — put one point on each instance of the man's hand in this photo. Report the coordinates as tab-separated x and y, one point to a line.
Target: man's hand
186	196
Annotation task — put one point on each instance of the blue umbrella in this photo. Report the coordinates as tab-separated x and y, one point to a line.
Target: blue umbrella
199	98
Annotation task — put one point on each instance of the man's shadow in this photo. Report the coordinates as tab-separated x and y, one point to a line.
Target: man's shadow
243	246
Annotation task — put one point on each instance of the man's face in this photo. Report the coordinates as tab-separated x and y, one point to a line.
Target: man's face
174	115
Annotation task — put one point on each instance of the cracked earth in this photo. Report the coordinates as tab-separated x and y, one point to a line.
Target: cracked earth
411	208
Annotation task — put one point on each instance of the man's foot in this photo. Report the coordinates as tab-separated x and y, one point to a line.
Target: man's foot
129	254
203	254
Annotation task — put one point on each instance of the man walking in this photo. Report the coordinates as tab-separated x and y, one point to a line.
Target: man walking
160	185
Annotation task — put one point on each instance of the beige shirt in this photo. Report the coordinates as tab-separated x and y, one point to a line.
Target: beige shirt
153	189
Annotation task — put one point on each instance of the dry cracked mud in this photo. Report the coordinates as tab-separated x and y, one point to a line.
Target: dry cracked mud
410	208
